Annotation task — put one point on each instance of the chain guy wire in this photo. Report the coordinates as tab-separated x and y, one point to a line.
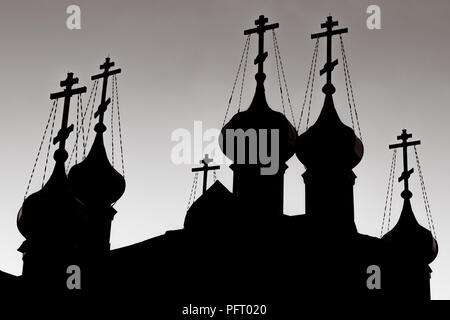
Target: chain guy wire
80	125
52	111
312	85
49	145
116	88
316	44
277	52
425	195
347	90
247	42
346	70
113	91
392	191
86	138
389	190
243	75
193	191
278	72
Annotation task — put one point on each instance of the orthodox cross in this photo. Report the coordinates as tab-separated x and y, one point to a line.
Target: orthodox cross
100	127
329	65
206	160
406	173
260	29
63	133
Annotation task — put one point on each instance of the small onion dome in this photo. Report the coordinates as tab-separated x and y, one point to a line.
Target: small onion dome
260	116
53	213
94	180
409	239
329	141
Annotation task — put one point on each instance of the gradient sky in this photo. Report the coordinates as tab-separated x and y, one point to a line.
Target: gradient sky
179	60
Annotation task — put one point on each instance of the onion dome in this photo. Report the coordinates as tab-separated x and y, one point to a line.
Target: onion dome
260	116
329	141
94	180
53	213
409	239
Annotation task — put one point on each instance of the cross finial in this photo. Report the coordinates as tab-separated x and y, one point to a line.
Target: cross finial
205	161
262	56
106	66
406	194
63	133
328	88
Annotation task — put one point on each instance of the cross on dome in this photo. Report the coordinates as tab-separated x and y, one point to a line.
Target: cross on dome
328	68
63	133
106	66
205	161
406	194
262	56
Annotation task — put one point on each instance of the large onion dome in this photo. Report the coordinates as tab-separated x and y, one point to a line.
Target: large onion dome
94	180
260	116
329	142
409	239
52	214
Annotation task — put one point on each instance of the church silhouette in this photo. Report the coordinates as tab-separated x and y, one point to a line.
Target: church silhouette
235	245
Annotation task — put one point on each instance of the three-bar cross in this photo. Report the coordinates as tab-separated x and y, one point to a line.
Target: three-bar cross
100	127
406	173
329	65
206	160
260	29
63	133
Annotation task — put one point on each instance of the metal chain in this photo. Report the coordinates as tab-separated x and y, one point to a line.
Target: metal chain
116	87
52	110
346	67
347	85
77	132
390	187
307	85
193	191
113	89
425	195
312	85
80	125
278	72
243	76
214	176
49	145
392	190
235	80
277	48
90	119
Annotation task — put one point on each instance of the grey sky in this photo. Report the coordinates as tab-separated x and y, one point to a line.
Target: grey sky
179	59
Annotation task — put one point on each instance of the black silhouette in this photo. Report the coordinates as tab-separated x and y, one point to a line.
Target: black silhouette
235	246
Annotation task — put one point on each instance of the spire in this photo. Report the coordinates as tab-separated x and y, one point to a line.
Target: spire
54	209
94	180
329	138
410	246
329	150
262	193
